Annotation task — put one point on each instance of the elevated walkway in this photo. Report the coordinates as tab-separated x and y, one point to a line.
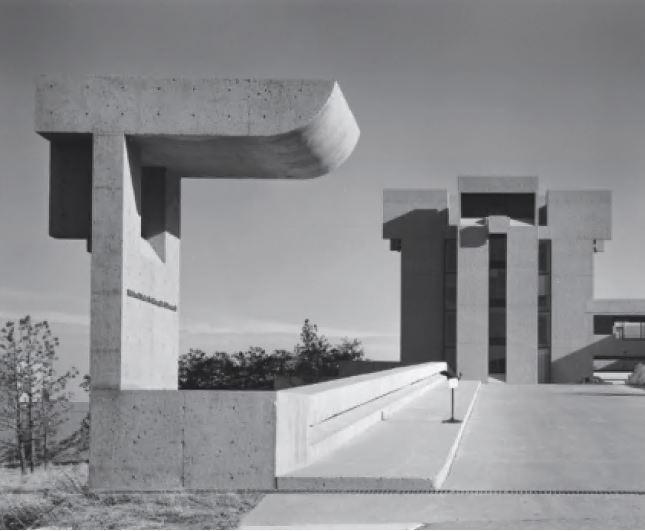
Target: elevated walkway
409	448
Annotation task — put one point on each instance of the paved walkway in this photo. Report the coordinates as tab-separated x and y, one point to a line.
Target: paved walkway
571	437
410	450
582	437
447	511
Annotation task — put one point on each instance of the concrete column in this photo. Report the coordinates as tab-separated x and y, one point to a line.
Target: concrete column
422	303
571	326
472	302
521	305
135	279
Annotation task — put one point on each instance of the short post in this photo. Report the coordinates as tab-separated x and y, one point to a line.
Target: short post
453	383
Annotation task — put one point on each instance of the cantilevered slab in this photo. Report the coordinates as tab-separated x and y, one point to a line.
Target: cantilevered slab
209	127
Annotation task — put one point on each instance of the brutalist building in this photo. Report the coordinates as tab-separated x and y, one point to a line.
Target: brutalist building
497	280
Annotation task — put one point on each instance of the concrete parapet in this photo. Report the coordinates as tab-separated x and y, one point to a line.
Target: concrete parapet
411	450
221	440
303	411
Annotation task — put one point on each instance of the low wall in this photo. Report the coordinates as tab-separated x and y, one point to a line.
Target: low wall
302	412
165	440
160	440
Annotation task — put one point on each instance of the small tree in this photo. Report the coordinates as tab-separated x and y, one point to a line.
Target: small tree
79	441
34	401
318	359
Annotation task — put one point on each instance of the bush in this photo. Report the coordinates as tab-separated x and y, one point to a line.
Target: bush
638	376
313	360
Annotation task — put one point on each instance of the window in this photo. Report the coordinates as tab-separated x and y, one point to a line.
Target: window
497	288
497	328
517	206
544	329
626	327
627	330
544	292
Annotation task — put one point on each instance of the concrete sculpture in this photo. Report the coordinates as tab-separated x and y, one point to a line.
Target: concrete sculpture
119	149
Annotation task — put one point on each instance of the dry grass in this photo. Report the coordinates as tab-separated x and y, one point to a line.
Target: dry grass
59	499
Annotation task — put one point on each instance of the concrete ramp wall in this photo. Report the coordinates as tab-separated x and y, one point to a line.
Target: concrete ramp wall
314	420
165	440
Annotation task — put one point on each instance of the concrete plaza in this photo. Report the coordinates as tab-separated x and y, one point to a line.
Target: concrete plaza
553	437
585	439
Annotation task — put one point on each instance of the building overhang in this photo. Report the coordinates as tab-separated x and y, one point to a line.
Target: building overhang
616	307
215	128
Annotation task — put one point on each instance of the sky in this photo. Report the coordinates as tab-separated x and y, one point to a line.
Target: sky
439	89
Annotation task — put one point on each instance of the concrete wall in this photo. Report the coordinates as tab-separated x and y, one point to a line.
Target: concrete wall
304	413
575	219
472	302
158	440
521	305
419	220
164	440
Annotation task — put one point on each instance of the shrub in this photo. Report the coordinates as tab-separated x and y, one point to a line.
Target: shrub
638	376
313	360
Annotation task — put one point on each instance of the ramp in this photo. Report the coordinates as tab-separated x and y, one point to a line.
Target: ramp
409	450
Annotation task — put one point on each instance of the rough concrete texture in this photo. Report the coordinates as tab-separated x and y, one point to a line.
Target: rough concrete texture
239	128
136	440
410	449
161	440
521	305
119	147
472	303
134	343
229	439
301	411
553	437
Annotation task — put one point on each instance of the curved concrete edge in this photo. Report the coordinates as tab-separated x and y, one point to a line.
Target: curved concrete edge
333	133
445	470
218	128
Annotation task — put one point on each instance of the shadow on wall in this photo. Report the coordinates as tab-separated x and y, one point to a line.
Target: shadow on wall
473	236
418	223
579	364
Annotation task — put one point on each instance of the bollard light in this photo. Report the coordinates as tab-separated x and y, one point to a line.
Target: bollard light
453	383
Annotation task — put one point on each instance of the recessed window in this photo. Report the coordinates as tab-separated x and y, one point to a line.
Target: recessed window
516	206
625	327
629	330
544	329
